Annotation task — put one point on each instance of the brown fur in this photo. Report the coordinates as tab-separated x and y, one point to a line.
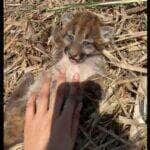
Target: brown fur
81	36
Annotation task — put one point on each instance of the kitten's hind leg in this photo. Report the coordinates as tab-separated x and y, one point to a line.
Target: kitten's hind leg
14	110
22	88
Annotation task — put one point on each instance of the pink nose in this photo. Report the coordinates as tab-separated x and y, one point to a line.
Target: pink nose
75	49
73	54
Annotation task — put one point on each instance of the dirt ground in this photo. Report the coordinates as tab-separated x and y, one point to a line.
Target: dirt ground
117	121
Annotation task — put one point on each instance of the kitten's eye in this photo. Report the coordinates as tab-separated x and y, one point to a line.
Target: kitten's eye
88	47
86	43
70	38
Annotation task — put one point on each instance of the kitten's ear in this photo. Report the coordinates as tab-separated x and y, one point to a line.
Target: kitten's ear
106	33
67	17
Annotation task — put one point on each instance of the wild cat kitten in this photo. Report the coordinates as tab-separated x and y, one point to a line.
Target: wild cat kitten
79	37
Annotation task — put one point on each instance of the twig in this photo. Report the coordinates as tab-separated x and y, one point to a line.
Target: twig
13	65
31	68
129	67
120	147
135	9
126	47
11	70
10	43
115	136
123	65
41	51
7	28
127	121
126	81
94	4
130	36
12	23
105	144
13	5
87	136
85	145
144	57
19	146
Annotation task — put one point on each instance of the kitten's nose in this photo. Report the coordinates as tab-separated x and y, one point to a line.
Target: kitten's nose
75	49
73	52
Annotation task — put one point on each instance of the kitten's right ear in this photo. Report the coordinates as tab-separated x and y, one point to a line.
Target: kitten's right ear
67	17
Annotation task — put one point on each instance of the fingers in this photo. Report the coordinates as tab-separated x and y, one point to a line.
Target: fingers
73	100
75	121
30	108
43	97
59	100
57	93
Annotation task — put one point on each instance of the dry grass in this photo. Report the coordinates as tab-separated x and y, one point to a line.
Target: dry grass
109	124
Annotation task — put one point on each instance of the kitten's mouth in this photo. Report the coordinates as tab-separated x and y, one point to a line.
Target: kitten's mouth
73	61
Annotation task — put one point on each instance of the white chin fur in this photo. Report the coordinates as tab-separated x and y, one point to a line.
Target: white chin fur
91	66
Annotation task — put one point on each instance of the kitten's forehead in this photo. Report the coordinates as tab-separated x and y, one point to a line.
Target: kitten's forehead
79	18
84	25
85	18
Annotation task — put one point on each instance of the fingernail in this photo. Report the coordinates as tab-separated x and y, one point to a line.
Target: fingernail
76	76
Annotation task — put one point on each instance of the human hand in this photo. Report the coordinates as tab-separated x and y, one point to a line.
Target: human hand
46	126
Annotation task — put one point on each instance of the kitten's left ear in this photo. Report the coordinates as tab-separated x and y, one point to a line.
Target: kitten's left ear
107	33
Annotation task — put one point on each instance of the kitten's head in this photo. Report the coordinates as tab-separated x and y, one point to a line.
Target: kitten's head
82	34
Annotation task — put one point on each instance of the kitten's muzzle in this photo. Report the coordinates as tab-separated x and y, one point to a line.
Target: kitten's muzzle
78	57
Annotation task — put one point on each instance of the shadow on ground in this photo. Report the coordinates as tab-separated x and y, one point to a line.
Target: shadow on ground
96	131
